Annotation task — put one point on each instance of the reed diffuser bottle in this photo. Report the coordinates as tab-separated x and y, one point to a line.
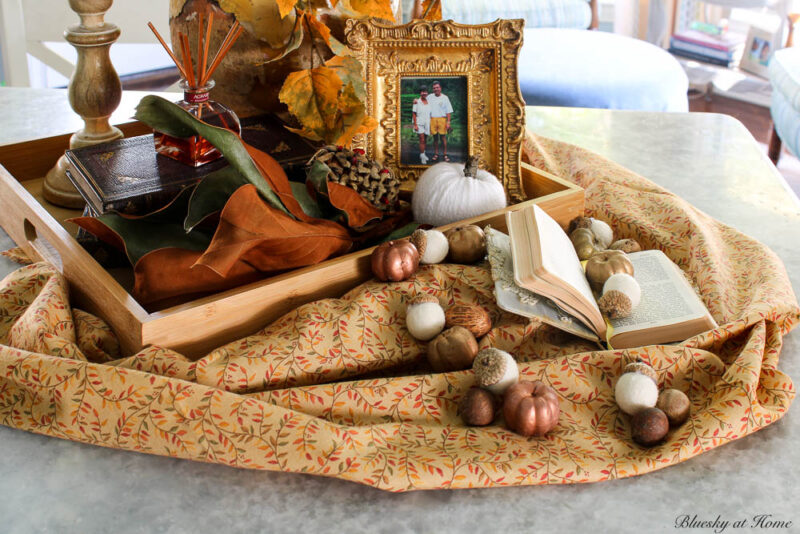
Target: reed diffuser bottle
196	150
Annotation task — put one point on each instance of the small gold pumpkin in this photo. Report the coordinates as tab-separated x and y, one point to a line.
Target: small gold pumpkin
585	243
603	264
467	244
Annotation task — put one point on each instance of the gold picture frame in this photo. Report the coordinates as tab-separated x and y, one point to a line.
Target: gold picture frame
482	58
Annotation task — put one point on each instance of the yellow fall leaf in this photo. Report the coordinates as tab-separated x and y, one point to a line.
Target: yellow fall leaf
285	6
349	71
433	12
373	8
312	96
262	19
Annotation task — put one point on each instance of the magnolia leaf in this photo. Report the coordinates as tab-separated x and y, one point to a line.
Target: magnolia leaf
373	8
350	71
359	210
262	19
403	231
294	43
167	273
211	194
137	236
276	177
312	96
167	117
252	231
310	206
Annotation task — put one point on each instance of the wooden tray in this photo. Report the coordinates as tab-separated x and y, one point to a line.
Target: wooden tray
201	325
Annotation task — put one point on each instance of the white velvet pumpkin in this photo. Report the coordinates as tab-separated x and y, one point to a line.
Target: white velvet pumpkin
445	194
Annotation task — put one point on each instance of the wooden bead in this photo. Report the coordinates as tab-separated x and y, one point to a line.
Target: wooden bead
649	427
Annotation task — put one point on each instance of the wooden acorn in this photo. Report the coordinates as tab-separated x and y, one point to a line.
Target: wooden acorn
675	404
477	407
473	318
649	427
452	350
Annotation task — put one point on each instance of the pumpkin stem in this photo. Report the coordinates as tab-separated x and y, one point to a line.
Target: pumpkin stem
471	166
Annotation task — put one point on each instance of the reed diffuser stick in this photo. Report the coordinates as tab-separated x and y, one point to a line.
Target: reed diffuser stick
171	55
222	53
206	42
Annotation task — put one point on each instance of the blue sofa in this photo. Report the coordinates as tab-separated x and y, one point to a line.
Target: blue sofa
564	64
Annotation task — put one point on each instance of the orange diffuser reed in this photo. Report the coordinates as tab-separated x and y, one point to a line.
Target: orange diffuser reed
196	87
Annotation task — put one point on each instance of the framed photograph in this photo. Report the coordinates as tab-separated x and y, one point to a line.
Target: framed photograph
441	91
758	49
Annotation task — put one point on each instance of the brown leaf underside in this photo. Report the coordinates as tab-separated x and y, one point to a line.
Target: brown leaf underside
252	231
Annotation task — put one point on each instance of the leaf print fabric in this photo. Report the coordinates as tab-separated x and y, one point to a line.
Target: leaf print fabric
339	388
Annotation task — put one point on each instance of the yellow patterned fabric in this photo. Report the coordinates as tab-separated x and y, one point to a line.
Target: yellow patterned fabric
339	388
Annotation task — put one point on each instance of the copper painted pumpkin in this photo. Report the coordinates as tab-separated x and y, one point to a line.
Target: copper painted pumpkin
531	408
394	261
603	264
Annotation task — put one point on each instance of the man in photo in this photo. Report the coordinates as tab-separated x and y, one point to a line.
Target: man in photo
441	109
421	114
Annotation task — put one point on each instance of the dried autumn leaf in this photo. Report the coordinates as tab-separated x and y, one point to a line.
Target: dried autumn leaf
320	32
171	272
312	96
373	8
354	117
350	71
262	19
358	209
285	6
431	9
276	177
252	231
295	40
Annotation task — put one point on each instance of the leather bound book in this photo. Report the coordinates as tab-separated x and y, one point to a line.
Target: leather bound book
128	176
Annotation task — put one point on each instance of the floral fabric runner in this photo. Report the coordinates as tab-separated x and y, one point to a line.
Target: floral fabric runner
339	388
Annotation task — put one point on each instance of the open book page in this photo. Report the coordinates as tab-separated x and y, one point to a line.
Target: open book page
667	297
545	262
514	299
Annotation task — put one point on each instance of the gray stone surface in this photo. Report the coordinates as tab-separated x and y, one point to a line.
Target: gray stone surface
49	485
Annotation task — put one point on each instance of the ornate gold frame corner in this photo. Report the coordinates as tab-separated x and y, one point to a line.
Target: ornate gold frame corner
485	54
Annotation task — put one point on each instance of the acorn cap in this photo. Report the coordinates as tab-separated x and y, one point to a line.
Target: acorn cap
579	222
421	299
642	368
420	240
489	366
615	304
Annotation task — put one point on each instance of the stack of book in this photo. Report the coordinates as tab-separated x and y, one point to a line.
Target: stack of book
723	49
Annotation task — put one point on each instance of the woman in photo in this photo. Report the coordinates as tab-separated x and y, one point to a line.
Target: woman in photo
421	115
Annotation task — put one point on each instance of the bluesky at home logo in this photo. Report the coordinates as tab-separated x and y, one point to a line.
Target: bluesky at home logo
720	524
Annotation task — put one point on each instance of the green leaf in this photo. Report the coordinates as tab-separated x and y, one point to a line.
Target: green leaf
403	231
309	205
169	118
140	235
211	194
349	71
317	174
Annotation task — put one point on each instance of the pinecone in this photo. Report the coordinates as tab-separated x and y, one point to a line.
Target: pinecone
368	178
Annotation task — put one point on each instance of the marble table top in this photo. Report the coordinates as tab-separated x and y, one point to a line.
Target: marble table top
49	485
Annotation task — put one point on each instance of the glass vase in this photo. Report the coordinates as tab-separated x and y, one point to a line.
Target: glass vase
196	150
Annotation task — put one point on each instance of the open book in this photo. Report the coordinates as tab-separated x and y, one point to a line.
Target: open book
538	274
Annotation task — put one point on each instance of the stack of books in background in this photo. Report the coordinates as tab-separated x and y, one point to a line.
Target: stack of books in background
711	45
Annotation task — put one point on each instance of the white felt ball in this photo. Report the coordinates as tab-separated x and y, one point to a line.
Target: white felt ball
602	231
444	194
624	283
436	247
425	320
635	392
509	378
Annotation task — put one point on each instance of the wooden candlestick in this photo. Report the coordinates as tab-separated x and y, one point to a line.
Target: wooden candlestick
94	92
